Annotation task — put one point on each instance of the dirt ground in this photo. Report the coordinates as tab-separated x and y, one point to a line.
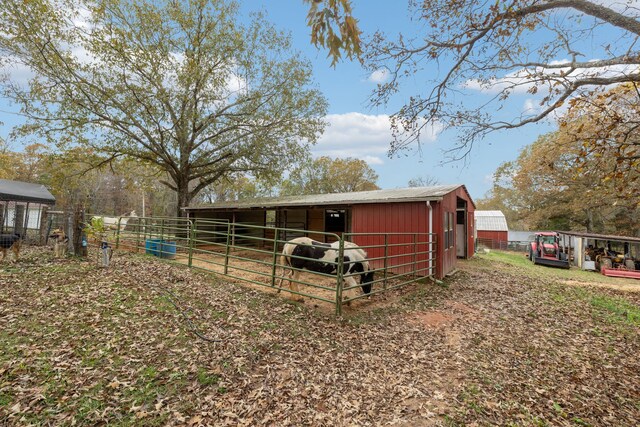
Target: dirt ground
132	345
246	267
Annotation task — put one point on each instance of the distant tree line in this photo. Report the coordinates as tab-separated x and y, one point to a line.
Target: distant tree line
584	176
121	185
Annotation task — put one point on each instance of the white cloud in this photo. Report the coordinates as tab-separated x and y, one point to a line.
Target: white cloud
16	72
531	106
620	5
523	80
379	76
361	136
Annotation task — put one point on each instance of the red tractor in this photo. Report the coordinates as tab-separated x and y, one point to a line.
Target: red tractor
545	250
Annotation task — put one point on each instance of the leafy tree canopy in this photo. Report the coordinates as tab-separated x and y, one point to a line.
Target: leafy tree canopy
606	127
551	50
325	175
545	188
183	86
333	27
423	181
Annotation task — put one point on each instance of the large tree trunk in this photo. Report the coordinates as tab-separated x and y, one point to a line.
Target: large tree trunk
184	199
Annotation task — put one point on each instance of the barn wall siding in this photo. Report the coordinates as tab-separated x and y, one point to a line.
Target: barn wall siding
499	236
448	256
471	244
392	218
397	217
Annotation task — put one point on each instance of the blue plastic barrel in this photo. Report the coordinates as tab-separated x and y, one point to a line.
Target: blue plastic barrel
168	250
152	246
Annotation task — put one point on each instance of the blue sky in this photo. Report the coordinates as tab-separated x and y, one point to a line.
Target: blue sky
361	132
358	131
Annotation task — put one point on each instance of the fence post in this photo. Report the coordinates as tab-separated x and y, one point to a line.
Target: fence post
414	256
161	248
276	237
138	234
78	227
226	251
118	233
434	258
339	277
192	238
385	261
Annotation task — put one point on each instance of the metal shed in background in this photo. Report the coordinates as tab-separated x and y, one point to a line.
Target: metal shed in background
445	210
492	229
22	206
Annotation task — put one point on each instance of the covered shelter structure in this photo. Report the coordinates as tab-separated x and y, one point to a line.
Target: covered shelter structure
445	212
617	256
23	206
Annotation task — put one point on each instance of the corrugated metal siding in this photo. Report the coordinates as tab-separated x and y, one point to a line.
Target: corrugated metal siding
391	218
447	258
447	255
491	221
498	236
471	244
315	218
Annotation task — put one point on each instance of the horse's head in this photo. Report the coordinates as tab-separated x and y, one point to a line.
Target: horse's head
358	263
366	280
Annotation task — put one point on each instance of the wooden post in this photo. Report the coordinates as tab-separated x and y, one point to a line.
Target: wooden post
79	238
44	225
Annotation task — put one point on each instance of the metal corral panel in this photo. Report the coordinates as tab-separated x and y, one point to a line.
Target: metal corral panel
393	218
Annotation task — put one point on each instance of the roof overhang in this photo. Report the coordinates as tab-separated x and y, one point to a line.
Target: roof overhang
605	237
401	195
18	191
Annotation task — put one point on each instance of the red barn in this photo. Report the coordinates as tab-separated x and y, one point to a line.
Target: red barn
445	210
492	229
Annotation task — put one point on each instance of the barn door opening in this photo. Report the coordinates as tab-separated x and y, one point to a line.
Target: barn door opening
335	221
461	228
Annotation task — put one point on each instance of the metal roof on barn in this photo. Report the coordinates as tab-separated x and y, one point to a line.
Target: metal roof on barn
604	237
396	195
19	191
491	221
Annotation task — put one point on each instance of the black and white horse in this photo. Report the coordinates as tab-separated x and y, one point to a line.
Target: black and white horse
303	253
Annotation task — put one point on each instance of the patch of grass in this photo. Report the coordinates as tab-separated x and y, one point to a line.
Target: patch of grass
206	379
5	399
618	308
87	406
163	305
559	410
149	373
375	315
505	261
615	309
